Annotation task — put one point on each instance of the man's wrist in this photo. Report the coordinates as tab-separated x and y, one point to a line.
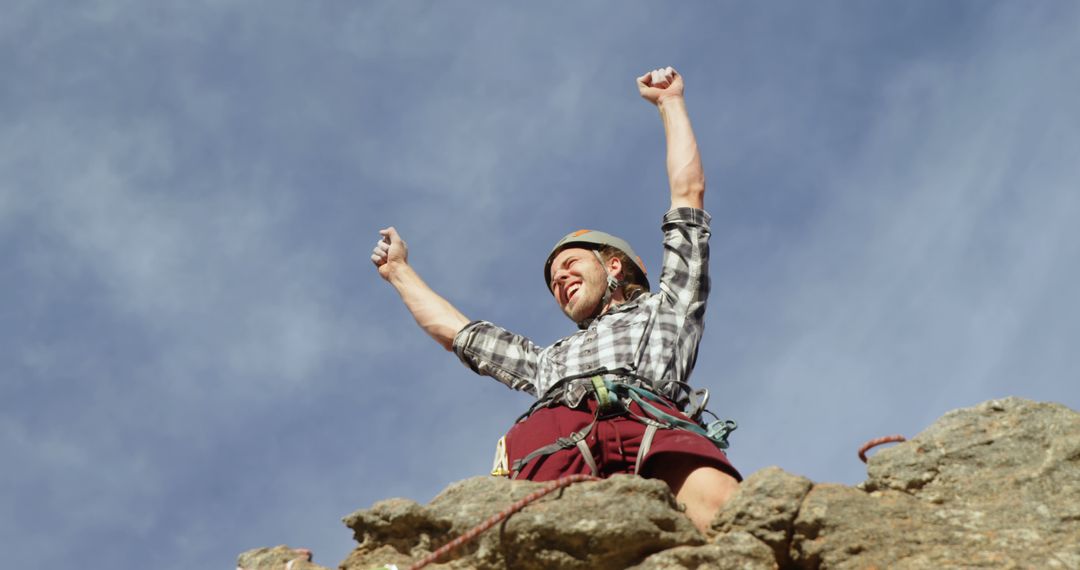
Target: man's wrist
397	271
674	98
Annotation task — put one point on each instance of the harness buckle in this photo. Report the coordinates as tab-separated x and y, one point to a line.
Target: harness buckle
574	393
571	440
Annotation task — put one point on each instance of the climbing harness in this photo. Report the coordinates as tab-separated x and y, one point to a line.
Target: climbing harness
614	391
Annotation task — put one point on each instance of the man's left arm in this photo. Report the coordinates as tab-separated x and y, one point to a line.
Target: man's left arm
664	88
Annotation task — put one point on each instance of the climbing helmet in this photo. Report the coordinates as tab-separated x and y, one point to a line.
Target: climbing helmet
593	239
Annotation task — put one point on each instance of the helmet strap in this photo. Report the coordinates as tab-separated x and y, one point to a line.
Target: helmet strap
612	285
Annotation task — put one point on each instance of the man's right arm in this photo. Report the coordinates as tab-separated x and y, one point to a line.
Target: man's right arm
441	320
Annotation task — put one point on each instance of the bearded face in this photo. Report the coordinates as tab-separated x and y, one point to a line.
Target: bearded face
578	282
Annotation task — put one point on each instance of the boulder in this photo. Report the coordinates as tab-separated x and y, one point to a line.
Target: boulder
994	486
765	507
613	523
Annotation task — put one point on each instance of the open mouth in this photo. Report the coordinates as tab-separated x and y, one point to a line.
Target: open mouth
572	291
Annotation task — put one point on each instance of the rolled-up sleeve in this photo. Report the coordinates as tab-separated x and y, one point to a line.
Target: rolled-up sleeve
684	277
491	350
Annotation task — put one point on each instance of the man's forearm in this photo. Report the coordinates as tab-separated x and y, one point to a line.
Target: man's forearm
433	313
685	173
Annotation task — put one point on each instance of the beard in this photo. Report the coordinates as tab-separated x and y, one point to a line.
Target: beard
588	296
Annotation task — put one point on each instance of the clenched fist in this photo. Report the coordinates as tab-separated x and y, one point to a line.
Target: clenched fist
660	84
390	250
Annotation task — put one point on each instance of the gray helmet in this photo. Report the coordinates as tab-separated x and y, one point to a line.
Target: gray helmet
592	239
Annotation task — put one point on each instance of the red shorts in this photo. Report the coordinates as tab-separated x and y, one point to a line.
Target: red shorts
614	443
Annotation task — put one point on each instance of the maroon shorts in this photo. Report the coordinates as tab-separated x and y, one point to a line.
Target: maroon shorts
614	443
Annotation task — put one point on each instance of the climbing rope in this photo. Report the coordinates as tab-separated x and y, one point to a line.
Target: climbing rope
501	516
879	441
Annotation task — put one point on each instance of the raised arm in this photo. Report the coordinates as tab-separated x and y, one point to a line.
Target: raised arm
664	88
434	314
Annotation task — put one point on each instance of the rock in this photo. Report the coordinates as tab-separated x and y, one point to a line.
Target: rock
613	523
993	486
734	551
1031	448
997	485
765	507
840	526
277	558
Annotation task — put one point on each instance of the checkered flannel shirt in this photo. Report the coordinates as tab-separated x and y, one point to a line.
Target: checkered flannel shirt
656	335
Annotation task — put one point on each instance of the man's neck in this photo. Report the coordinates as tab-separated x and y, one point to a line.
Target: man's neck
617	299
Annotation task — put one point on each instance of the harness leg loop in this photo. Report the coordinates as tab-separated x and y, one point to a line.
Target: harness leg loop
587	454
643	450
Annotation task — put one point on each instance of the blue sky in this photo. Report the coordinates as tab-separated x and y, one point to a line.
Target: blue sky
197	357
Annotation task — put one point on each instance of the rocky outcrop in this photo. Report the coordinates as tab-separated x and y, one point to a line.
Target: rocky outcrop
994	486
614	523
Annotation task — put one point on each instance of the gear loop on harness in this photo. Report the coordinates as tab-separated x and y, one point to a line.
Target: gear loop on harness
604	397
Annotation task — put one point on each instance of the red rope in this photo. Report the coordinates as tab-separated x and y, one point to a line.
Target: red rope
501	516
876	442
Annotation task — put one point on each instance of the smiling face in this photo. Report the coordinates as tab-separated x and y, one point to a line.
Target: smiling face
578	281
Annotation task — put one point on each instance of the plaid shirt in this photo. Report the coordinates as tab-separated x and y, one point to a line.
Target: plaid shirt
656	335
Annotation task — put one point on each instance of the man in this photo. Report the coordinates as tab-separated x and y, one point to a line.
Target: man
606	393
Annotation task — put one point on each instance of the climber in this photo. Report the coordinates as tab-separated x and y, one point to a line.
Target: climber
609	396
